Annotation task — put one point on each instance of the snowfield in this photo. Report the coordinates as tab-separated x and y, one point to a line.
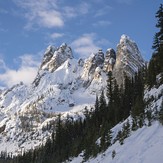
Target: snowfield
143	146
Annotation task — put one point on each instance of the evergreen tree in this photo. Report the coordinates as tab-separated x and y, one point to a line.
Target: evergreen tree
97	105
120	137
151	73
134	126
161	114
110	87
158	40
155	64
138	108
156	44
149	117
114	112
116	104
126	130
113	154
102	102
127	97
106	136
159	25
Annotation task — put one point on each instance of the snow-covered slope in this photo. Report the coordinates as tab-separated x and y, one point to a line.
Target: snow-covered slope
63	85
144	145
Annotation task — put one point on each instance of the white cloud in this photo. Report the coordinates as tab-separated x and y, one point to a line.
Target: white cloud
50	19
49	13
25	73
28	60
85	45
56	35
105	42
75	11
41	12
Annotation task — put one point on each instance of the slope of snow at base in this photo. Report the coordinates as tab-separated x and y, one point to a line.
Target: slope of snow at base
143	146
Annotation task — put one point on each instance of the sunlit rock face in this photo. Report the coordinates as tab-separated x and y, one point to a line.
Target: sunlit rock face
110	59
54	57
95	60
128	59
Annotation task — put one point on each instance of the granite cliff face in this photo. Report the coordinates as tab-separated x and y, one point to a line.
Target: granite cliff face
55	57
90	66
128	59
110	59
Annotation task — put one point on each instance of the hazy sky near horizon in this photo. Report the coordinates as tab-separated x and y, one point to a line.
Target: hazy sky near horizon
27	27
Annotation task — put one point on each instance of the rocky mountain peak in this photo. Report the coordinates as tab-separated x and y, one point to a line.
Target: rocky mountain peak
126	44
99	57
95	60
124	39
129	59
55	57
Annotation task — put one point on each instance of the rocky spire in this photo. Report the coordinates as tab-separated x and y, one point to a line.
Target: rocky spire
110	59
54	57
129	59
95	60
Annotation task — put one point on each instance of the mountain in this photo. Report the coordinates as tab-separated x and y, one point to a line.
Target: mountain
63	85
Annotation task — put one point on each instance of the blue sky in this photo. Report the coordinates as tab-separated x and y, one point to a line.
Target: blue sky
27	27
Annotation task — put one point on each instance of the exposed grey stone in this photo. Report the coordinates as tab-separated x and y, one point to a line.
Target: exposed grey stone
110	59
55	57
128	61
